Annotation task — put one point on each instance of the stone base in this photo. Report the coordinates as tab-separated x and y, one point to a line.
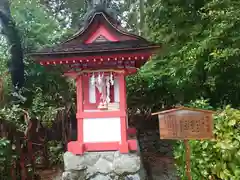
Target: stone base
103	166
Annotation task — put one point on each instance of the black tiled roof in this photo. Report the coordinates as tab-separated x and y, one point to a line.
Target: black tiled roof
96	47
75	46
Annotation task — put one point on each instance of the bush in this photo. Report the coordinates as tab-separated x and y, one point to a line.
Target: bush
5	159
218	158
55	153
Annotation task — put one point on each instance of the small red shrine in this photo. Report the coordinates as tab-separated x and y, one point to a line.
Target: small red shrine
99	57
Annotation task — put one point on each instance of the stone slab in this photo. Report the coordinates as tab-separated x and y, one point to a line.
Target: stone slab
103	166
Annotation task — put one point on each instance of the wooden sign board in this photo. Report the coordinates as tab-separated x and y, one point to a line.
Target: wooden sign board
185	123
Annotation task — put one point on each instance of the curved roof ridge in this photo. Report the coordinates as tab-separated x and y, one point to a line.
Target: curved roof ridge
83	29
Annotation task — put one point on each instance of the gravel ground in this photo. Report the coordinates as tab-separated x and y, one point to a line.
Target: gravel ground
51	174
157	156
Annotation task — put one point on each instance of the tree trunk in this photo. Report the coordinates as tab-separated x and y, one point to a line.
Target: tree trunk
141	12
16	65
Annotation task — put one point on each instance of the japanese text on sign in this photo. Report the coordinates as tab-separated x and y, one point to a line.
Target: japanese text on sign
187	126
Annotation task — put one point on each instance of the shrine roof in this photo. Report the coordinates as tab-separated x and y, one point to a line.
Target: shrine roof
103	17
128	45
77	44
182	108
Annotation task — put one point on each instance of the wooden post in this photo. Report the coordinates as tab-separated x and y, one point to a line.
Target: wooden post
188	160
123	106
13	170
185	123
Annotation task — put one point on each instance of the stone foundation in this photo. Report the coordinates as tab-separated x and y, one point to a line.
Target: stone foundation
103	166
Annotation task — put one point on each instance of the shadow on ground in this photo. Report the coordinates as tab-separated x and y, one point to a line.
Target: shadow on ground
157	155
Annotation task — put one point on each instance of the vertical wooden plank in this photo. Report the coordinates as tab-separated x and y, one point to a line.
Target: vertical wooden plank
31	158
79	83
13	170
163	126
188	160
123	108
122	87
79	86
22	165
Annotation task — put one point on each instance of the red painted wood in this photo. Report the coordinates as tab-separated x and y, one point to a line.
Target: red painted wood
79	147
123	144
79	86
97	27
86	89
90	106
119	56
132	131
22	165
110	28
76	148
101	114
80	130
109	146
79	82
126	72
132	145
122	86
101	30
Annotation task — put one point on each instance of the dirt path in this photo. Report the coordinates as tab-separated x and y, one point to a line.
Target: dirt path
50	174
157	156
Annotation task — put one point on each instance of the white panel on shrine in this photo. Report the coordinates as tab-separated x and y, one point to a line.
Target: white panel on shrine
101	130
92	92
116	90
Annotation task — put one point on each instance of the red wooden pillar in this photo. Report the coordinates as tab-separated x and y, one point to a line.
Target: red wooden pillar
85	81
13	171
79	83
22	165
77	147
123	146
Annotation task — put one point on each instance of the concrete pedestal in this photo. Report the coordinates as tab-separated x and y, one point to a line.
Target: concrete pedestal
103	166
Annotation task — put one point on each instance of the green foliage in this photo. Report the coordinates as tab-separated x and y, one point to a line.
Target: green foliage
44	90
200	103
218	158
200	58
37	26
5	159
12	115
55	152
200	52
42	110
